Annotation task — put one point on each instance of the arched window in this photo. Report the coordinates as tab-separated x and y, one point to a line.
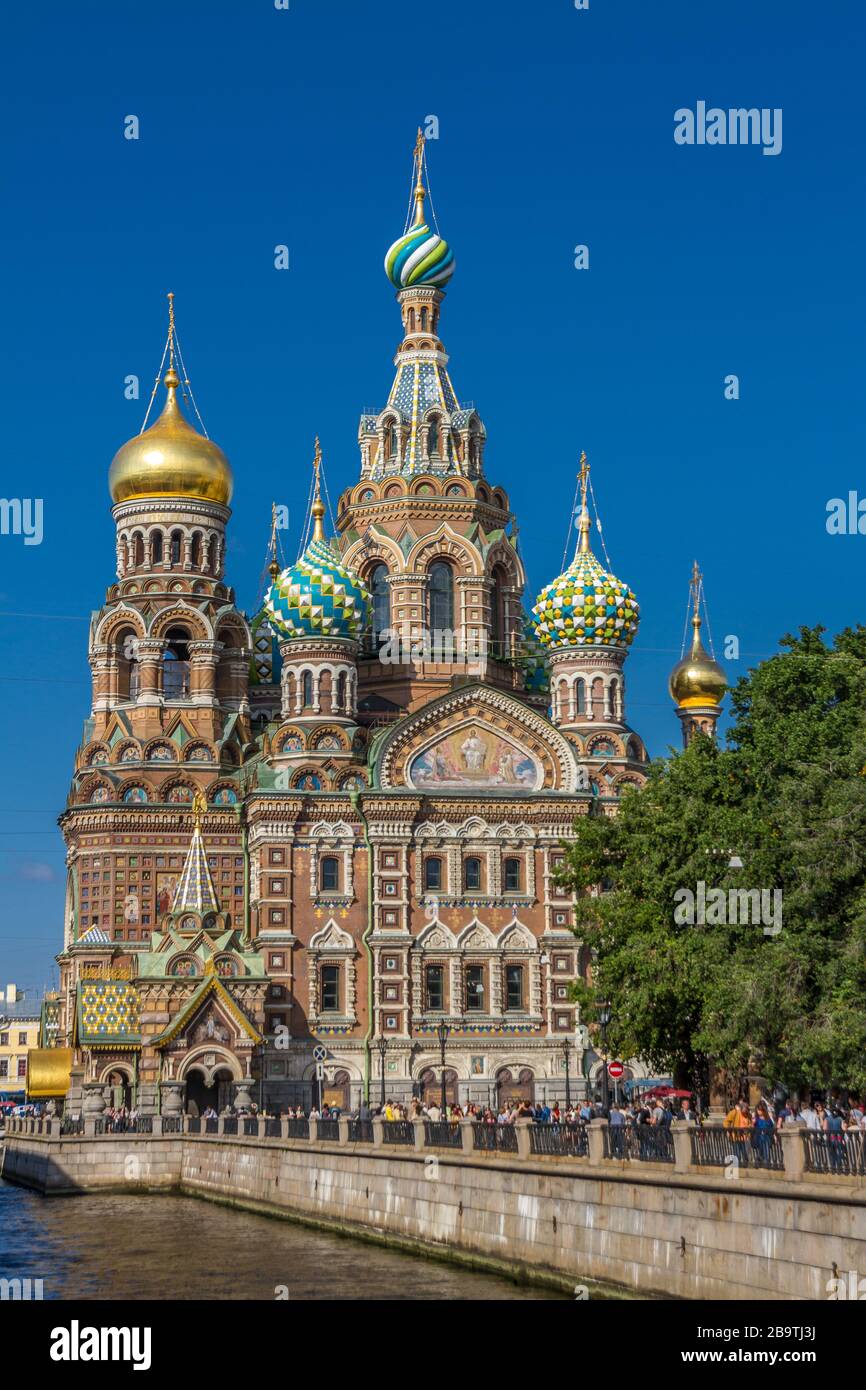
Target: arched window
341	690
128	682
472	873
433	437
307	688
441	597
176	539
497	612
433	874
391	441
156	547
175	664
580	697
138	549
195	554
424	318
329	874
381	594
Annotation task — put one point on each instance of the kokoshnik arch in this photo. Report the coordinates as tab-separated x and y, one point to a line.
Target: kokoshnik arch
277	839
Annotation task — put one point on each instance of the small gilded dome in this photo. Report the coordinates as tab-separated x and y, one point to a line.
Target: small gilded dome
586	606
317	596
697	679
171	459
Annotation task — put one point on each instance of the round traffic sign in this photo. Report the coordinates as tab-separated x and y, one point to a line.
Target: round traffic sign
320	1053
615	1068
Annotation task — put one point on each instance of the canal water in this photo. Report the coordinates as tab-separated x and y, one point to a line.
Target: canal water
139	1247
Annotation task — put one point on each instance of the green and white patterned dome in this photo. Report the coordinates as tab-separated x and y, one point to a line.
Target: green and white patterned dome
586	606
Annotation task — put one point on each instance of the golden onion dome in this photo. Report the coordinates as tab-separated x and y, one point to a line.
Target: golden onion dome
171	459
697	679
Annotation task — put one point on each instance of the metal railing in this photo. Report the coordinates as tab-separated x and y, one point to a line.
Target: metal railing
72	1124
230	1124
559	1139
211	1126
495	1138
194	1124
273	1129
843	1154
649	1143
297	1129
443	1134
172	1124
251	1126
328	1129
360	1131
398	1132
748	1147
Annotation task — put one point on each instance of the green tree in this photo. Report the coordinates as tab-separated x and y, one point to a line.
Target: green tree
787	796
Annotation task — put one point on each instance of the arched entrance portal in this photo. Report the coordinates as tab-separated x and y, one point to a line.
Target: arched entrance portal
200	1096
119	1089
512	1090
430	1086
335	1092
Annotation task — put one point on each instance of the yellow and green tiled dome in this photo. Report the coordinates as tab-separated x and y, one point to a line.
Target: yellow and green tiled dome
318	596
586	606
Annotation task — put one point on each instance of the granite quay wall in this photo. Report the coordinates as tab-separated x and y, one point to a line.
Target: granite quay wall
663	1225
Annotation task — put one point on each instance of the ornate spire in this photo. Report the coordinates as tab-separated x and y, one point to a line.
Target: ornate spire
420	190
318	507
195	890
584	523
697	682
420	257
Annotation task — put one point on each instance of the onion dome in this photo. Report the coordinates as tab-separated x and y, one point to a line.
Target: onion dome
532	659
420	256
586	606
171	459
317	596
697	679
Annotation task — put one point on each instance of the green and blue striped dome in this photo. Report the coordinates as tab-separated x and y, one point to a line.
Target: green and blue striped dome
318	597
419	257
586	607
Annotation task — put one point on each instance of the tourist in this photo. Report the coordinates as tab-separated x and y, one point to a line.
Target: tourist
834	1128
686	1112
762	1132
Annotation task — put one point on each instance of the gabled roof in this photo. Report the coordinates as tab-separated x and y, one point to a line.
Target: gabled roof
211	985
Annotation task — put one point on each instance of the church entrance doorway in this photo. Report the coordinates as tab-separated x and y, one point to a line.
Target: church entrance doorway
430	1086
513	1089
118	1090
200	1096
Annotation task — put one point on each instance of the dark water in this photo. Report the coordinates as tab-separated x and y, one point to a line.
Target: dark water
129	1247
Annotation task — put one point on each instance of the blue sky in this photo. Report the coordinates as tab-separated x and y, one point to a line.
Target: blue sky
260	127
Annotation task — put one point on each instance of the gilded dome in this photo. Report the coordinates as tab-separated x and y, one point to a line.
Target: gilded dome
171	459
697	679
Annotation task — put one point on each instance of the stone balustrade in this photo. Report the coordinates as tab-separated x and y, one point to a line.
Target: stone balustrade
793	1153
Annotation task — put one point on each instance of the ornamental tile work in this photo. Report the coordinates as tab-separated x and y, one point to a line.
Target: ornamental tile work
318	596
107	1011
586	606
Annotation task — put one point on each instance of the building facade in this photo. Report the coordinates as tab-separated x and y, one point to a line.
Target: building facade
300	845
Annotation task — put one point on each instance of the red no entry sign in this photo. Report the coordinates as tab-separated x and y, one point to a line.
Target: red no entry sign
615	1068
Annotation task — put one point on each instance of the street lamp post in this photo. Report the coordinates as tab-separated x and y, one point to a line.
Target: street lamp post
604	1017
383	1048
566	1056
442	1034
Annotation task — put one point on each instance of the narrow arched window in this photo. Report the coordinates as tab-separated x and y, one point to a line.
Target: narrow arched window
307	688
195	554
497	612
381	595
329	874
138	549
156	547
175	665
175	547
341	690
580	697
441	597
